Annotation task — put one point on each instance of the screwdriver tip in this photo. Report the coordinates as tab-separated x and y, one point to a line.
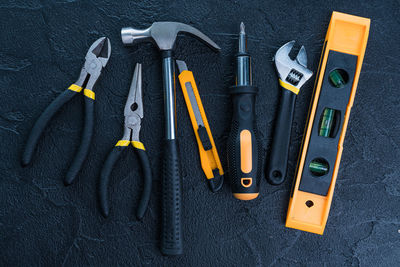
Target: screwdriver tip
242	28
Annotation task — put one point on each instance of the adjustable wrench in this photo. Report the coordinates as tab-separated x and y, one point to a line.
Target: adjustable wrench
292	75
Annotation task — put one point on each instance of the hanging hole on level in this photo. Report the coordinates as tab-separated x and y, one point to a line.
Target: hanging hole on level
309	203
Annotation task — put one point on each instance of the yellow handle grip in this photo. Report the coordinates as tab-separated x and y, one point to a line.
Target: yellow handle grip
209	158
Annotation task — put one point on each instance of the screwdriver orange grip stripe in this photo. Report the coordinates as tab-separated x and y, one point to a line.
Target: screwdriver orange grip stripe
243	144
209	159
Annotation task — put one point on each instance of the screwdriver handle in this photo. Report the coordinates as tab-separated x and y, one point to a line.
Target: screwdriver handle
171	236
243	145
277	164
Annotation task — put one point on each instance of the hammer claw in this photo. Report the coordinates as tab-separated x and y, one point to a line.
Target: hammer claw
199	35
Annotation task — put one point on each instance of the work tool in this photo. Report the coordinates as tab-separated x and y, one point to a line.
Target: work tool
322	146
292	76
244	162
95	60
164	34
133	113
208	152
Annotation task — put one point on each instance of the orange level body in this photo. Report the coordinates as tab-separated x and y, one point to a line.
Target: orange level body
311	195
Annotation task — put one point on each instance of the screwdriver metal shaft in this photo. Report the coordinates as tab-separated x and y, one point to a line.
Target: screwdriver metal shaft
243	73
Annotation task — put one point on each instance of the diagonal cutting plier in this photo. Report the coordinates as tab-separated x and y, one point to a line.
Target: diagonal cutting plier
96	59
133	113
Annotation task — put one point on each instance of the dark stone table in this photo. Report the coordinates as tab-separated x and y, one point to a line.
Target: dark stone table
44	223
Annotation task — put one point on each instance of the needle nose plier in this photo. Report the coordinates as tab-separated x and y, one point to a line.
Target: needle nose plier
96	59
133	113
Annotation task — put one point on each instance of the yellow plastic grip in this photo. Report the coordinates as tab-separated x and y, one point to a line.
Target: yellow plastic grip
289	87
75	88
123	143
89	93
138	145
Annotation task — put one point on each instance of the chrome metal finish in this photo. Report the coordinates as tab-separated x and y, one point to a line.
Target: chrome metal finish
169	97
288	68
164	34
243	64
133	111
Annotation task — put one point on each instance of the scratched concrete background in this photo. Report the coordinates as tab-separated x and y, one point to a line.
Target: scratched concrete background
44	223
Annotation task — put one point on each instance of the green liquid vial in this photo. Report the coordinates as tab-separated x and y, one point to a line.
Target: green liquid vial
337	78
326	122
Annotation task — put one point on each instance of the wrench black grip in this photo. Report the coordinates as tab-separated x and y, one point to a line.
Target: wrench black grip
278	158
171	235
244	164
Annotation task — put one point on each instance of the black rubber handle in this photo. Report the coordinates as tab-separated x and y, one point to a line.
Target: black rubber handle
83	150
244	164
146	170
277	164
105	179
171	235
41	123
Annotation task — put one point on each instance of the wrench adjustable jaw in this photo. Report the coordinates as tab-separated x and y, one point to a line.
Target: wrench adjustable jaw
290	71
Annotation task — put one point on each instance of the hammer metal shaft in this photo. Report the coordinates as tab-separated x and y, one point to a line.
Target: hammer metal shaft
169	97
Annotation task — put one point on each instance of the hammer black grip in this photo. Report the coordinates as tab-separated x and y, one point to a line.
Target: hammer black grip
171	236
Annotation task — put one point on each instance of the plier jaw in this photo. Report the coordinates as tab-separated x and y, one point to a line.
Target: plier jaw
132	128
95	60
133	111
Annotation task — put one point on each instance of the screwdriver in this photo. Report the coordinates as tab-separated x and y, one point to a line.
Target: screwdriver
244	163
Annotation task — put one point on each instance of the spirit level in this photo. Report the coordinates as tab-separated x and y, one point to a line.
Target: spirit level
321	151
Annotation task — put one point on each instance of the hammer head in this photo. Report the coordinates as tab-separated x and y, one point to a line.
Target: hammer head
164	35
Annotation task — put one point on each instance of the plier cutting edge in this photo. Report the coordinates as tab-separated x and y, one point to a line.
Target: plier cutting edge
133	113
96	59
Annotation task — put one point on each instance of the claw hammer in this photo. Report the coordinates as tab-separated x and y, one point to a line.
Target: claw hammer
164	34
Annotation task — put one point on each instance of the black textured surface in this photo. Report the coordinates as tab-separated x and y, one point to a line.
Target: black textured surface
43	44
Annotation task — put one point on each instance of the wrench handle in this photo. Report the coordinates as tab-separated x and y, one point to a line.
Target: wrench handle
277	164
